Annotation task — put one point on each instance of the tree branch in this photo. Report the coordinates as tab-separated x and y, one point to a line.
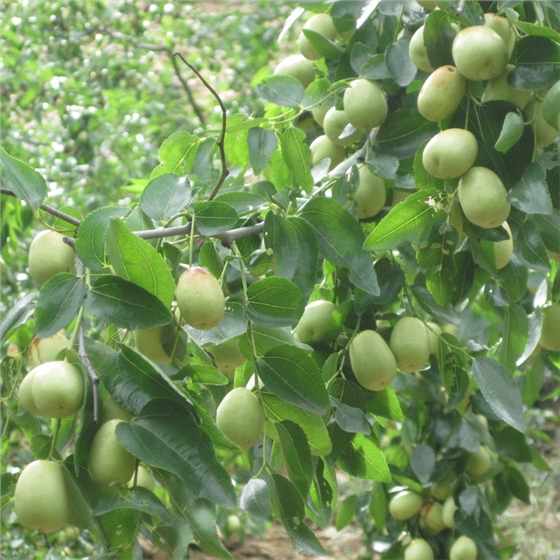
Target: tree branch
225	170
187	89
228	237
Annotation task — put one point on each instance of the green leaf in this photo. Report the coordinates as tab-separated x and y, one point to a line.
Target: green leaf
261	143
135	260
120	530
500	391
201	515
317	93
254	499
529	246
165	196
346	512
516	333
92	234
364	459
289	507
233	323
537	63
243	202
438	37
297	156
124	304
536	29
20	178
531	194
16	315
551	105
284	91
403	132
273	301
511	133
140	499
176	154
133	382
398	62
292	375
281	236
214	217
307	256
385	404
340	239
512	444
297	456
166	435
410	221
517	484
350	418
58	303
312	424
548	226
323	45
423	462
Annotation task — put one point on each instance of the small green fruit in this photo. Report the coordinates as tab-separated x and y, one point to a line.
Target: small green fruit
434	330
442	489
372	361
504	249
145	479
479	53
419	549
449	509
334	123
321	24
432	514
450	153
410	344
109	461
312	327
498	89
479	462
227	356
57	389
298	67
418	52
200	298
545	134
463	548
241	418
441	93
503	28
405	504
49	255
483	197
113	410
365	104
25	396
550	332
41	350
149	343
41	499
370	196
322	148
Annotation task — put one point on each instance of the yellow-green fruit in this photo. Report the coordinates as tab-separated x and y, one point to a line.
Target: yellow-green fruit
145	479
432	514
41	498
321	24
334	123
370	196
449	509
434	330
322	148
504	249
463	548
418	52
113	410
545	134
227	356
57	389
49	255
503	28
405	504
109	461
41	350
319	114
410	344
372	361
550	333
241	418
200	298
399	195
312	326
483	197
450	153
24	394
442	489
148	342
479	462
441	93
498	89
479	53
418	549
297	66
365	104
427	4
456	217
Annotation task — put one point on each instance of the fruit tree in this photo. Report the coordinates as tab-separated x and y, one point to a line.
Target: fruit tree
361	279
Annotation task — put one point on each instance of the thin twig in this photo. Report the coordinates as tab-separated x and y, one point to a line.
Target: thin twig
187	89
48	209
221	141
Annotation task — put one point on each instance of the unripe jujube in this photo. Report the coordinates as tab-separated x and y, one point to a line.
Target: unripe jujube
410	344
441	93
49	255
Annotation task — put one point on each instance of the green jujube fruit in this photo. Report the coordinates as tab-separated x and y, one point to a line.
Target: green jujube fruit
313	324
372	361
405	504
550	333
441	93
370	196
450	153
410	343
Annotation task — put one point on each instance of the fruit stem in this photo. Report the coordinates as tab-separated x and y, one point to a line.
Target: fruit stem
54	437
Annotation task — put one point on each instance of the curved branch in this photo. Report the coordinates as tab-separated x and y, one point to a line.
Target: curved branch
186	87
221	141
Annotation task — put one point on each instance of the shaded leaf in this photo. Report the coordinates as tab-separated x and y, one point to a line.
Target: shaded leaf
398	62
537	63
284	91
297	156
254	499
165	196
16	315
531	194
511	133
297	456
213	217
261	143
364	459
